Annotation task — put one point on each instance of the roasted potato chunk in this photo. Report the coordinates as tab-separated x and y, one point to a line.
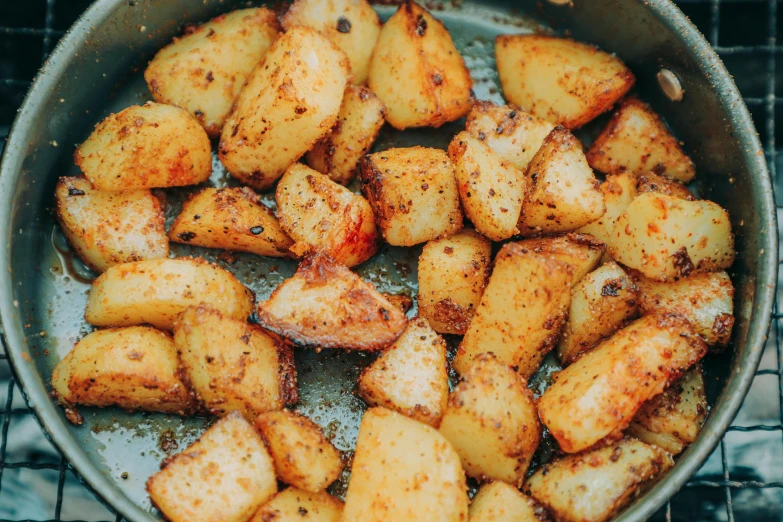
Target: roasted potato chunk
403	469
413	193
618	376
491	421
652	182
521	313
606	479
324	216
290	101
453	273
231	219
326	305
666	238
500	502
303	456
110	228
582	252
155	292
566	82
204	70
295	505
417	72
146	146
636	140
227	474
618	190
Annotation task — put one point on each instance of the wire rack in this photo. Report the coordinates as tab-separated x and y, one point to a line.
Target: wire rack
742	480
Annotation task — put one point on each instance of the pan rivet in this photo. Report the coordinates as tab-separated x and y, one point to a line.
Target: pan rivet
670	85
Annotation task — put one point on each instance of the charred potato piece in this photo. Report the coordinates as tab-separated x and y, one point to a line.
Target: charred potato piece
618	190
295	505
500	502
582	252
652	182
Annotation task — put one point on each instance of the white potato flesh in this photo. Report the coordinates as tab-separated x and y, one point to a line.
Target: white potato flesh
618	190
296	505
582	252
500	502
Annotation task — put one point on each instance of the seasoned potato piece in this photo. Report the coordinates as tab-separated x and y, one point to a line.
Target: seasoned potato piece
581	251
322	215
231	219
605	387
600	304
401	301
109	228
157	291
606	479
413	193
521	312
290	101
326	305
226	475
404	470
666	238
636	140
453	273
511	132
352	25
566	82
411	376
304	457
204	70
295	505
492	191
618	190
499	502
146	146
417	72
134	368
652	182
491	421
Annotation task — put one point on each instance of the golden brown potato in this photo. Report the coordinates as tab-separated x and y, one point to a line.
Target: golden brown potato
226	475
231	219
352	25
146	146
203	70
564	193
566	82
323	216
110	228
404	470
491	190
652	182
666	238
290	101
417	72
491	421
295	505
401	301
521	313
582	252
606	479
605	387
157	291
636	140
499	502
453	273
618	190
410	376
326	305
304	457
413	193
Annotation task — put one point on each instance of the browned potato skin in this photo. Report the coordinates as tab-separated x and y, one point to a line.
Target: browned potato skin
582	252
652	182
501	502
296	505
232	219
110	228
619	191
325	304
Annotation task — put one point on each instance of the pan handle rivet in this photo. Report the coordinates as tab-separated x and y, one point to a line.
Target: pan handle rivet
670	85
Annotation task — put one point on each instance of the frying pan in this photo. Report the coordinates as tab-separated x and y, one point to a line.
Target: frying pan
96	69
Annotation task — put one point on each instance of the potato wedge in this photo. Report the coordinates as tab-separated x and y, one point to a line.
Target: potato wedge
652	182
605	387
303	456
157	291
452	274
500	502
491	421
323	216
566	82
295	505
637	140
326	305
203	70
413	193
146	146
417	71
606	479
110	228
618	190
666	238
491	190
232	219
404	470
582	252
290	101
226	475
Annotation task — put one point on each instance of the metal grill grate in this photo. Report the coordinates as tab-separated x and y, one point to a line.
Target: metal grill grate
744	32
